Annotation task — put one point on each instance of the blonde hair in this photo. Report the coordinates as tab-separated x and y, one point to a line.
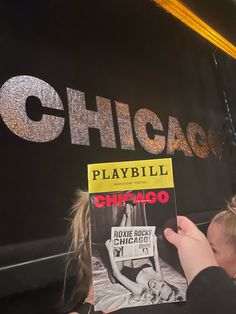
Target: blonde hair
80	246
227	217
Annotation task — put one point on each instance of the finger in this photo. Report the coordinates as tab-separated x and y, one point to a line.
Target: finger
186	225
172	237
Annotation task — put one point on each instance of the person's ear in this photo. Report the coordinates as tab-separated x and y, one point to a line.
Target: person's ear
150	283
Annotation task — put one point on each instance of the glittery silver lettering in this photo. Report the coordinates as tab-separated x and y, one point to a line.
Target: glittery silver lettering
82	119
13	96
176	139
141	119
215	144
124	125
197	140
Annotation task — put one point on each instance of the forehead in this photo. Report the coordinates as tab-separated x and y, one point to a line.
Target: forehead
216	234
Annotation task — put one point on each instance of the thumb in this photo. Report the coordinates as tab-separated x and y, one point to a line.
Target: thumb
172	237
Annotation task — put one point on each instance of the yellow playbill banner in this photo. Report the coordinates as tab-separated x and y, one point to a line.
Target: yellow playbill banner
130	175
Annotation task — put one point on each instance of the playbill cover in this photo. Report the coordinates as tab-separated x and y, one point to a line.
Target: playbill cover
132	262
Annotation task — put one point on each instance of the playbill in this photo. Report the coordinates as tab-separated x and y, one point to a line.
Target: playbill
132	263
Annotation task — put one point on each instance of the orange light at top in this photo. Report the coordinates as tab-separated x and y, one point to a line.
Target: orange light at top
186	16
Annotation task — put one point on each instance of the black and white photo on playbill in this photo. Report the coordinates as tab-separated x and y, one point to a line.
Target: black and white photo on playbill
133	265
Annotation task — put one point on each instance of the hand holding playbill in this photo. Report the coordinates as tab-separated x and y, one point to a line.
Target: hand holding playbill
193	248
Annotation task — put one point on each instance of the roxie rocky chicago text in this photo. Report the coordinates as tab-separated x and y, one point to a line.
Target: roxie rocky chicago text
132	172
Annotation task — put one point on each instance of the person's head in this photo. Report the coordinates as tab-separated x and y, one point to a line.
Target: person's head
169	292
163	291
146	297
154	286
166	291
221	235
151	294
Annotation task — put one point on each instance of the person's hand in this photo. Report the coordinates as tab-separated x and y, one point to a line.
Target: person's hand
193	248
109	245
